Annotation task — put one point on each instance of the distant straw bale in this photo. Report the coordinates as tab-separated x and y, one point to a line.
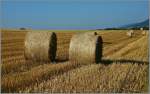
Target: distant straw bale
144	32
85	47
40	46
141	29
130	33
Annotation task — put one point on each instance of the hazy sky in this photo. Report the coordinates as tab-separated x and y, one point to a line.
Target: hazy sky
72	14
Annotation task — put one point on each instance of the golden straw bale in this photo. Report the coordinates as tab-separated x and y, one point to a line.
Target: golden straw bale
85	47
130	33
144	32
40	46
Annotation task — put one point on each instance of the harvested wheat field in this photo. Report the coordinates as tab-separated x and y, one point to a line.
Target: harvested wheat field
123	66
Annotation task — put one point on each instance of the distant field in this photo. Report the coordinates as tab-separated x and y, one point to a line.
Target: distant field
124	66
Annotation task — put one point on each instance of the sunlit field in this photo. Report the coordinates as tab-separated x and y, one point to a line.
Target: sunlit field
124	65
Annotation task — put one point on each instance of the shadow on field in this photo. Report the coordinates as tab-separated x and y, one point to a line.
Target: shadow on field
107	61
61	60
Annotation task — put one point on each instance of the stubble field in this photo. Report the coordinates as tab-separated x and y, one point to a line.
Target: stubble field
124	66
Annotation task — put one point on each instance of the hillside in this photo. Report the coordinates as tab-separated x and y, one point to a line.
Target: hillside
137	25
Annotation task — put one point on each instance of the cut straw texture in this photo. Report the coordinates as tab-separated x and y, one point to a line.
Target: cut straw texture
40	46
85	47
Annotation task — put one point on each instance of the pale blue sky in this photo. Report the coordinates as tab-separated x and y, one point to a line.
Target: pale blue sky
72	14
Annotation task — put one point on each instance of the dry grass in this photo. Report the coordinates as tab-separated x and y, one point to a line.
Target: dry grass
63	40
124	67
119	76
98	78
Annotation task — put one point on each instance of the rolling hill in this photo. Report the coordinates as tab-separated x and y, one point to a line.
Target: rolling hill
144	23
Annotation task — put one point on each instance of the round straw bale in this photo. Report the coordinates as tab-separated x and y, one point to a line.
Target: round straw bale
130	33
143	32
85	48
141	29
40	46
